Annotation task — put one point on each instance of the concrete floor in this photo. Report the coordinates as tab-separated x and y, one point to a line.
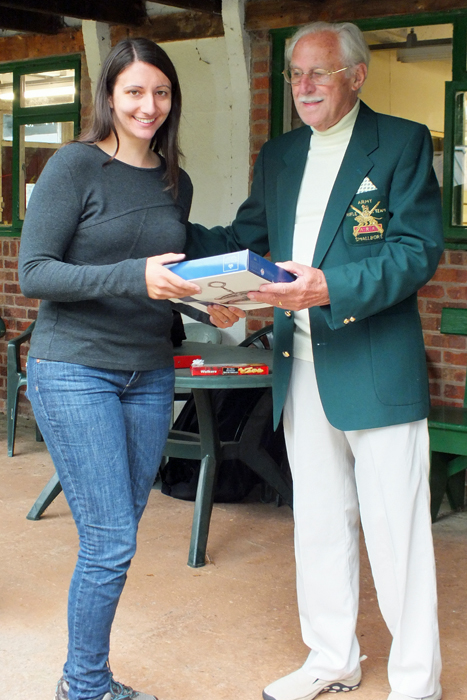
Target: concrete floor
221	632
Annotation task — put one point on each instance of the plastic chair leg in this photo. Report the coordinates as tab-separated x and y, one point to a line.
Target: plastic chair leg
39	437
12	407
48	494
438	481
202	514
455	490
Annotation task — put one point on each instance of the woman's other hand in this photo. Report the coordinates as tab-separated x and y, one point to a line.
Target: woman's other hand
224	316
161	283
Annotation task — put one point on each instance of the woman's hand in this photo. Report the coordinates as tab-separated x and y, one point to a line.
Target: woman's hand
224	316
161	283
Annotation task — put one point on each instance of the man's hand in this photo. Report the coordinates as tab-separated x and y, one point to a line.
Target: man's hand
161	283
224	316
309	289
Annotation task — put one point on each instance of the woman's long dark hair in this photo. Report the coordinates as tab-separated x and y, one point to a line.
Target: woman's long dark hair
165	140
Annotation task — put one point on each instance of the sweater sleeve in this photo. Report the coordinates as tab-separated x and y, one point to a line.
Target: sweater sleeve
53	214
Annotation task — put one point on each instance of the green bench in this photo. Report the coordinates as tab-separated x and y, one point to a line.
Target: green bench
448	435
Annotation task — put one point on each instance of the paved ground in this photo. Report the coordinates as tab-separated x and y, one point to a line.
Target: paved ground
221	632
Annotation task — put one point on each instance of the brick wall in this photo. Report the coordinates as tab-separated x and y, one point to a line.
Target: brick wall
446	354
260	120
16	311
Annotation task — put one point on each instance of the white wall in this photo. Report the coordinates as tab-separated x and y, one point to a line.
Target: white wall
208	136
410	90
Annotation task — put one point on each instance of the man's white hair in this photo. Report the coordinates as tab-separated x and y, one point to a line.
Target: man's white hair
354	49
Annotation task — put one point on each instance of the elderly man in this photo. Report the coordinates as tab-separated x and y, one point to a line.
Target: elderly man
353	205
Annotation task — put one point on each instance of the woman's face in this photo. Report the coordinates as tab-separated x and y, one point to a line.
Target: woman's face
141	101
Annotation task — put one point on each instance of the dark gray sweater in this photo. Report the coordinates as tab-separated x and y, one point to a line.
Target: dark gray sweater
87	234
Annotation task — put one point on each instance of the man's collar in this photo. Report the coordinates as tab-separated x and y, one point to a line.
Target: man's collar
347	122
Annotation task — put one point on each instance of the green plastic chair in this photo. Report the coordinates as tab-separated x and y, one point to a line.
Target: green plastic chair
448	435
202	333
16	378
263	338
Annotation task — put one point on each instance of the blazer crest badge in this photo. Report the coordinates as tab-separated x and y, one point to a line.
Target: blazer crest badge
366	218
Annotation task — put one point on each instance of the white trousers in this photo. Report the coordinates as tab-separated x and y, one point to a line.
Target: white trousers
378	476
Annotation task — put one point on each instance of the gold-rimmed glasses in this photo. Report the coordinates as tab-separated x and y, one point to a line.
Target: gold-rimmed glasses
318	76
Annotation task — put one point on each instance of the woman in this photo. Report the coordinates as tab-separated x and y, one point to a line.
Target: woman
100	222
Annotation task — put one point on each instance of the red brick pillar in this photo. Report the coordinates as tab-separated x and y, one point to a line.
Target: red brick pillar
17	312
446	354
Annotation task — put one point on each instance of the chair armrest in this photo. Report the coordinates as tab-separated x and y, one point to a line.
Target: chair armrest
263	338
14	348
23	336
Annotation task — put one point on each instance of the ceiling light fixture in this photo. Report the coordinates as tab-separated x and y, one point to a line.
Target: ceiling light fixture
412	50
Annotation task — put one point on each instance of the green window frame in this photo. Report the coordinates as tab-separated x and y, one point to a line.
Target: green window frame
455	235
455	124
65	118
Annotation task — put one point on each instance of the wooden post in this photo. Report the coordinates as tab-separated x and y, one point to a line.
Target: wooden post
96	37
238	56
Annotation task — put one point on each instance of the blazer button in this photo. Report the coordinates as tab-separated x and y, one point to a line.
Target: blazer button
286	354
351	319
288	313
346	320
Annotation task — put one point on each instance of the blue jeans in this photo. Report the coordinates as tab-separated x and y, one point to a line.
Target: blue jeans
105	431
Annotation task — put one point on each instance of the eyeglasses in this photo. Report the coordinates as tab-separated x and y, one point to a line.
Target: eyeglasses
318	76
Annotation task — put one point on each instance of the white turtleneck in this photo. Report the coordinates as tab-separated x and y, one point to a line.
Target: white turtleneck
327	149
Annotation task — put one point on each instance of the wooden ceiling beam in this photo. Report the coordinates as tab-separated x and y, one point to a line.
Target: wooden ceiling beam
213	7
130	12
31	22
176	26
275	14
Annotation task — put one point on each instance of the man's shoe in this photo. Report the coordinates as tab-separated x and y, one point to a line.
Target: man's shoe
299	686
437	695
118	691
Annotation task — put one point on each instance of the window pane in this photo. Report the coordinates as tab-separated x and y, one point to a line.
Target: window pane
48	88
6	90
38	142
459	191
6	131
6	201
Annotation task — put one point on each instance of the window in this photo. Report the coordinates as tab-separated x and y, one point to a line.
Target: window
455	144
39	111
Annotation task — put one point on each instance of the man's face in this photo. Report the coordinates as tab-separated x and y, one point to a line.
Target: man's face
322	106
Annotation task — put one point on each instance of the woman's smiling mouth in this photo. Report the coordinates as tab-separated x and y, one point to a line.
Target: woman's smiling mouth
145	121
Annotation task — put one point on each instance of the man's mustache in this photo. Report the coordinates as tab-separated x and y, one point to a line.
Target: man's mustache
309	98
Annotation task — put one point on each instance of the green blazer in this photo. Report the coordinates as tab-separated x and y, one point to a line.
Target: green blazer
367	343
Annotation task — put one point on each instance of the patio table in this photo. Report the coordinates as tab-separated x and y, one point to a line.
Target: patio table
207	446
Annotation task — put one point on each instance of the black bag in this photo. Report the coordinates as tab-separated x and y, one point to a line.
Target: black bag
177	332
235	480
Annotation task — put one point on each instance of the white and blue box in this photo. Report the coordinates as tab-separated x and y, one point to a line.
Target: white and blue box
227	279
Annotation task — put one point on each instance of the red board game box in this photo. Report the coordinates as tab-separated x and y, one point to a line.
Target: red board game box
233	369
183	361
